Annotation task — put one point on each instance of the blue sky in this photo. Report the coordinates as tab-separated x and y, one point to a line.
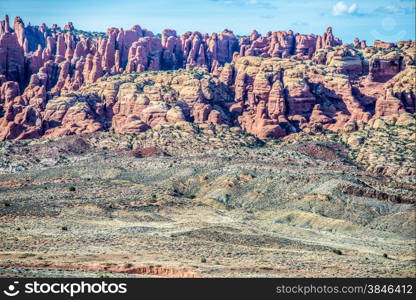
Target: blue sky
389	20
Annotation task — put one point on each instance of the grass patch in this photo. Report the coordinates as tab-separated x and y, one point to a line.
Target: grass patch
26	255
266	268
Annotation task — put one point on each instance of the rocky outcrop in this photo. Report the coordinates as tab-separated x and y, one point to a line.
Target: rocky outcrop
11	57
69	26
383	45
124	103
270	85
159	271
342	59
285	44
327	40
399	95
276	97
267	97
133	50
384	67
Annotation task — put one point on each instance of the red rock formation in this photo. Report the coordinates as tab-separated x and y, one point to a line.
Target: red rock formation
403	44
285	44
19	29
383	45
305	45
388	105
145	54
125	39
398	97
363	44
11	57
69	26
9	90
327	40
110	49
5	25
39	66
384	68
96	70
21	118
118	53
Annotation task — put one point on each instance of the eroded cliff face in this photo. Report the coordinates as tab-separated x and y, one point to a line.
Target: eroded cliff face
69	58
128	103
336	90
55	83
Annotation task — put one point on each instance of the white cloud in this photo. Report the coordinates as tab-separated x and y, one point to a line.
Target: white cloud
397	9
392	8
353	8
340	9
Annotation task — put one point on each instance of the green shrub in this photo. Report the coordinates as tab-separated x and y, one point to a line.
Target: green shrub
153	198
337	251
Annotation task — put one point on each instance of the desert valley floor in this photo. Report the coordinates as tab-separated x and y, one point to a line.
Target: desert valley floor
211	203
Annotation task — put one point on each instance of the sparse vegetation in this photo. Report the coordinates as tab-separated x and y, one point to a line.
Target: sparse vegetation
337	251
266	268
27	255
